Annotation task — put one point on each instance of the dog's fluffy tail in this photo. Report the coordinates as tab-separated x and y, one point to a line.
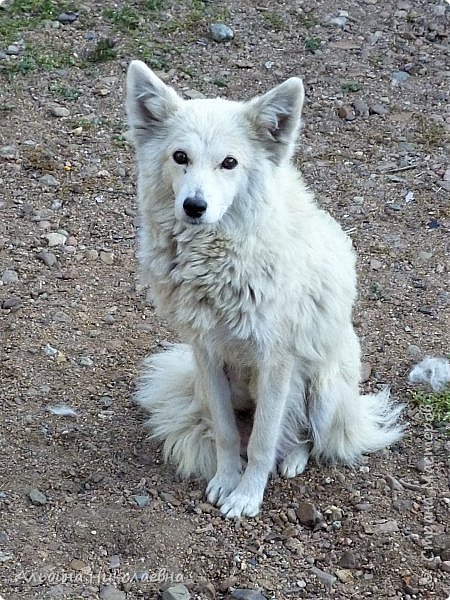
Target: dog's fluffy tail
177	417
360	425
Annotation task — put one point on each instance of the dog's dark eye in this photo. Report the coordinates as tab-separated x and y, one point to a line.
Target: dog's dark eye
229	163
180	157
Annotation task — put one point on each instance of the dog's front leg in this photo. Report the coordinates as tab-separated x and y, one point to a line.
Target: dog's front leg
216	388
272	391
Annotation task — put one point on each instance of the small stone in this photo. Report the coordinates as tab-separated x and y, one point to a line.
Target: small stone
441	546
247	594
142	500
220	32
8	152
106	401
176	592
109	319
192	95
77	565
333	513
366	372
378	109
400	76
67	17
12	50
294	545
58	111
348	560
114	562
394	483
11	303
55	239
227	583
86	361
413	351
344	575
91	254
346	112
308	515
445	566
107	257
336	21
37	497
361	108
49	181
375	264
381	528
10	276
48	258
291	516
109	592
325	578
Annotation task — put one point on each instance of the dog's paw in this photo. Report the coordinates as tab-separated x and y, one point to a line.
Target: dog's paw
241	504
221	486
295	462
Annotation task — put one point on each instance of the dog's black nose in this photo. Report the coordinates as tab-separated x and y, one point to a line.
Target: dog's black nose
194	207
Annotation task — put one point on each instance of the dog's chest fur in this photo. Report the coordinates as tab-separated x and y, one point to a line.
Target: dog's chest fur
201	283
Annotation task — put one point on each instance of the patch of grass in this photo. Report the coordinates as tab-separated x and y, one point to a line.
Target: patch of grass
154	5
64	91
439	403
104	50
18	67
220	82
351	86
312	44
273	20
20	15
125	19
377	292
305	21
431	134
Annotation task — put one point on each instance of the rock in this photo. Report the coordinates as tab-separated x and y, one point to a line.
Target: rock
114	562
107	257
13	50
348	560
294	545
109	592
308	515
86	361
361	108
192	95
344	575
445	566
333	513
77	565
394	483
48	258
55	239
176	592
247	594
91	254
227	583
8	152
441	546
336	21
142	500
37	497
291	516
10	276
366	372
378	109
413	351
400	76
346	112
67	17
325	578
58	111
49	181
11	303
381	528
375	264
220	32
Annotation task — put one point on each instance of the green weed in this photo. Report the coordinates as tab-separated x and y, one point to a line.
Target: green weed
439	403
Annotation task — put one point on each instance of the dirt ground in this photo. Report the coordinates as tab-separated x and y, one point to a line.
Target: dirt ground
87	509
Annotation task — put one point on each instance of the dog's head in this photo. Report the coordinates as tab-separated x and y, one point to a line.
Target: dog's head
205	150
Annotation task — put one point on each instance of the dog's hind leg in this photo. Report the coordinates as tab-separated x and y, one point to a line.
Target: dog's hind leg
294	463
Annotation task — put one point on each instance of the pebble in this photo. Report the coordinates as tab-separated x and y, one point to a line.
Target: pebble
109	319
361	108
308	515
58	111
348	560
37	497
246	594
67	17
55	239
378	109
8	152
344	575
291	516
220	32
107	257
77	565
48	258
12	50
109	592
366	372
413	351
294	545
142	500
325	578
9	303
346	112
381	528
86	361
10	276
445	566
400	76
49	180
176	592
114	561
91	254
338	21
394	483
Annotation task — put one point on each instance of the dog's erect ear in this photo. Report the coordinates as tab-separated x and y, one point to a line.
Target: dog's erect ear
149	101
276	116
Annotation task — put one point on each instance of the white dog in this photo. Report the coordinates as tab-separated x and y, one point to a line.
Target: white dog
260	284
